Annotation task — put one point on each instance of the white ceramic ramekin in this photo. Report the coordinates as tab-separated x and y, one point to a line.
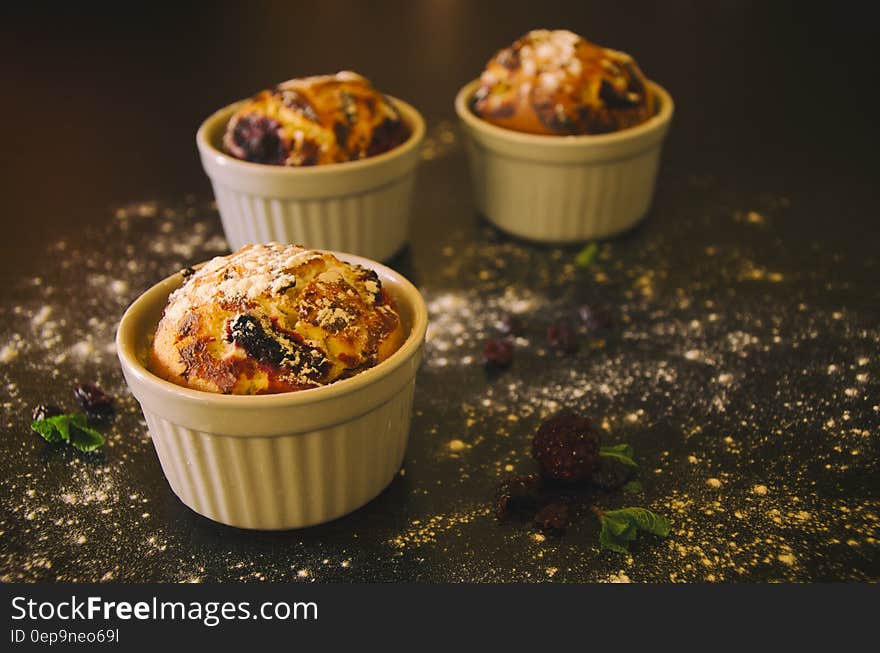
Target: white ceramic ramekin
563	188
361	206
284	460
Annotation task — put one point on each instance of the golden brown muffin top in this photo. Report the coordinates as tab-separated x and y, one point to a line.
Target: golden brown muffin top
558	83
315	120
274	318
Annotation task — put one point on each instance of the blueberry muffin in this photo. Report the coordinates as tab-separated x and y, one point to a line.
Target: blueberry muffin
274	318
315	120
558	83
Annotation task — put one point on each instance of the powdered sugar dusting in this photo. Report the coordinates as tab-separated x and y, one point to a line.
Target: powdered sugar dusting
745	379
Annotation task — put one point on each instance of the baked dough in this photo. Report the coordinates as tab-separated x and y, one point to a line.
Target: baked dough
274	318
558	83
315	120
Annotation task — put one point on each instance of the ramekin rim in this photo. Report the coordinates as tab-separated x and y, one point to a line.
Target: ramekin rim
415	120
655	122
127	353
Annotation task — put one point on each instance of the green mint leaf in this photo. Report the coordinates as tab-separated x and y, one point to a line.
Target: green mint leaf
65	422
85	438
633	487
48	429
649	521
71	428
623	448
620	527
608	541
78	419
621	452
644	519
587	255
57	428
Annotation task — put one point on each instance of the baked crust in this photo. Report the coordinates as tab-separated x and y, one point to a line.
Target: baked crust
558	83
274	318
315	120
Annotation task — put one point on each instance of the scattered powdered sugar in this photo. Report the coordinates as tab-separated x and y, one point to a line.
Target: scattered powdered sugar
724	385
68	516
458	322
53	322
619	577
56	334
9	351
747	387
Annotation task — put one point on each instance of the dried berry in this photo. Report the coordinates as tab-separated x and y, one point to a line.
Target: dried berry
498	352
387	135
517	494
45	411
97	403
566	447
594	317
248	333
616	99
553	517
259	140
562	337
511	325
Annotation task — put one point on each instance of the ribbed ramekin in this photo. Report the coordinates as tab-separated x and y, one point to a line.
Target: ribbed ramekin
285	460
563	188
361	206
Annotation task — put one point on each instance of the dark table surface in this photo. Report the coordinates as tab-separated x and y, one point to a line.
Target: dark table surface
742	363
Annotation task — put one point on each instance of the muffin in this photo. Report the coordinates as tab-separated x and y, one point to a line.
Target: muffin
327	161
315	120
287	459
558	83
274	318
563	138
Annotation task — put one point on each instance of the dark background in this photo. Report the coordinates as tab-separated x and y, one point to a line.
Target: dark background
776	112
101	106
